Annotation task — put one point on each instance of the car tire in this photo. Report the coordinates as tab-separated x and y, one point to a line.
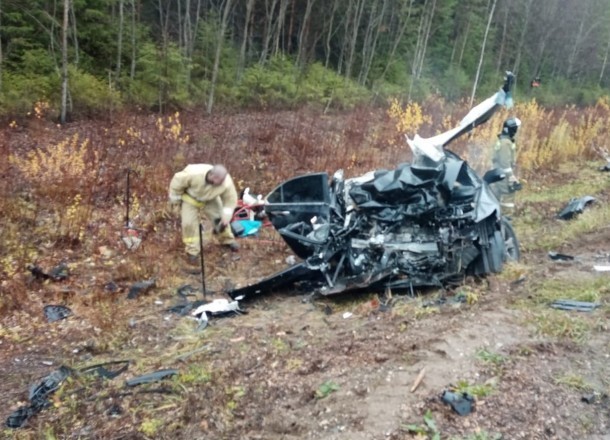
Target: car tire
512	252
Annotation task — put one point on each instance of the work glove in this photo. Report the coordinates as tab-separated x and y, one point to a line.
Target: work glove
514	184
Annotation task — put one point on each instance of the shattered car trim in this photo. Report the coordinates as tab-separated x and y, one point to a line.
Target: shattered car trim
423	223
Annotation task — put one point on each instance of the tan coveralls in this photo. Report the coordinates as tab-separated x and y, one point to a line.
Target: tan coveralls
504	157
190	188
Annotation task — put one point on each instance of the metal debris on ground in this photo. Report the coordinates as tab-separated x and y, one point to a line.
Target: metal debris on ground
151	377
574	207
601	268
58	273
56	313
187	290
560	257
107	370
38	397
140	288
220	307
579	306
461	403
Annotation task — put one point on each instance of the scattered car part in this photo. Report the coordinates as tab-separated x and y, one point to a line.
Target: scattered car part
186	290
151	377
56	313
574	207
560	257
461	403
185	308
140	288
601	268
107	373
579	306
38	397
424	223
58	273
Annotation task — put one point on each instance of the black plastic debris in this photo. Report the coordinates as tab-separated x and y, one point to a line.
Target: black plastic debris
140	288
579	306
56	313
38	397
461	403
58	273
574	207
107	370
114	411
605	168
560	257
589	398
185	308
187	290
111	287
151	377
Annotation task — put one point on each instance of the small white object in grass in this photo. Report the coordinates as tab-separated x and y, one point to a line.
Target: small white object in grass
347	315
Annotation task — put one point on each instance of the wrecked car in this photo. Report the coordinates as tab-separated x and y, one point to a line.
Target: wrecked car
424	223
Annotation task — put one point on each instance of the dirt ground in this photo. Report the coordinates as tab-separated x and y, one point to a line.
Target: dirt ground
335	368
261	375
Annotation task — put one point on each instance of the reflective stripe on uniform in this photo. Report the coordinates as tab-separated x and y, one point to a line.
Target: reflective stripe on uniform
192	201
194	239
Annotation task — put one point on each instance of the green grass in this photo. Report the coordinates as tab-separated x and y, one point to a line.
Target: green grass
541	203
589	290
562	325
476	390
574	381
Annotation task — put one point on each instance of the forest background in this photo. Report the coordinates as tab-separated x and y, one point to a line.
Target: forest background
88	57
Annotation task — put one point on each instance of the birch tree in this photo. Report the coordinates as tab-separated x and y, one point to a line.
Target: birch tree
476	78
64	63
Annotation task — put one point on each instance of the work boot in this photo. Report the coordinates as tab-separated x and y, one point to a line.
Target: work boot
193	260
233	246
192	264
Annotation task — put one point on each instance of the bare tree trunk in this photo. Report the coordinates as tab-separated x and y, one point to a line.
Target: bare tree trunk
221	37
426	39
329	35
528	8
476	79
74	37
503	39
120	41
398	39
64	63
269	10
577	42
465	40
132	72
1	53
291	27
279	27
242	51
604	63
417	49
302	50
371	51
354	37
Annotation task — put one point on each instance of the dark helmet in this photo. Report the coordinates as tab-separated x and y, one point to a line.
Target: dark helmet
510	127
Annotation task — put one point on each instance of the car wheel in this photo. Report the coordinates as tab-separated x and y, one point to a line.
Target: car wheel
511	243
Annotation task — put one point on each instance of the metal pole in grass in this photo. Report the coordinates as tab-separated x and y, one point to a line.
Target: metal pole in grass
202	262
127	201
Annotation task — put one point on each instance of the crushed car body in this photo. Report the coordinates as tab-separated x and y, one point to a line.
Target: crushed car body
423	223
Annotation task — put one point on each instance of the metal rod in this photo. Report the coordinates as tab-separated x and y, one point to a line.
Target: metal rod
127	200
202	262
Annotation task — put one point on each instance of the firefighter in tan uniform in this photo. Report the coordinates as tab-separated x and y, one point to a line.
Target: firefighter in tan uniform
505	157
210	188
